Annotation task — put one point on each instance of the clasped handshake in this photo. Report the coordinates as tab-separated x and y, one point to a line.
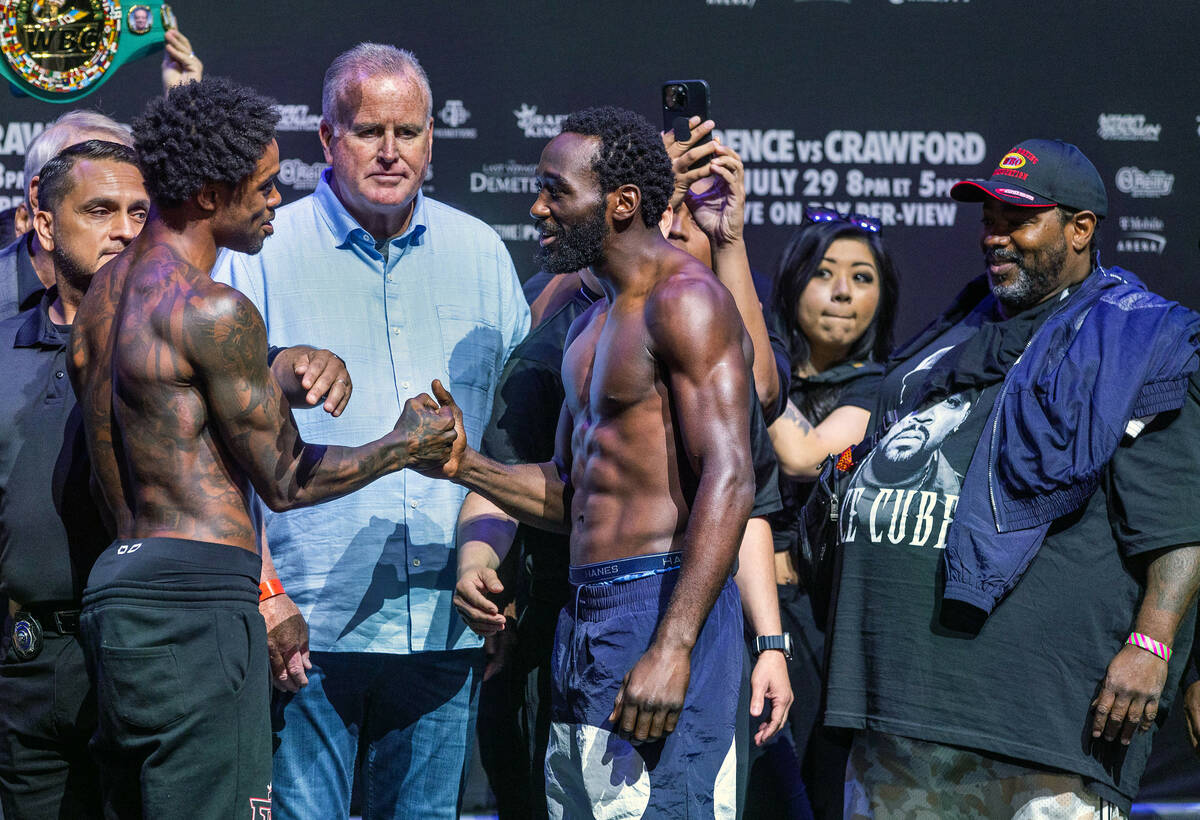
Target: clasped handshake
432	426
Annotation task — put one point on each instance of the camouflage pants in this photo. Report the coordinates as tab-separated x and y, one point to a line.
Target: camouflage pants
896	777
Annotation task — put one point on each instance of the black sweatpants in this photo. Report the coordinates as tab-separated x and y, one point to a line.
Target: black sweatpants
178	653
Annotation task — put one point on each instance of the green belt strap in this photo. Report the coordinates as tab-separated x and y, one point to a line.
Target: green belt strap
62	51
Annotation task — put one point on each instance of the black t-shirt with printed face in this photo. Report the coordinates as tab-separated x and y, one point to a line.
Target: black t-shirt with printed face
1023	686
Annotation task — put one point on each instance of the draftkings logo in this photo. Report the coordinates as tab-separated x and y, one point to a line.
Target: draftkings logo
300	175
297	118
1127	128
1144	184
1141	234
538	126
454	114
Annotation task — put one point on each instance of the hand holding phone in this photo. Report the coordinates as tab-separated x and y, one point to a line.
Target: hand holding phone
682	100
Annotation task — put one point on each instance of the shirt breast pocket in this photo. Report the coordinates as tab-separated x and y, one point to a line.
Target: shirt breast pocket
472	347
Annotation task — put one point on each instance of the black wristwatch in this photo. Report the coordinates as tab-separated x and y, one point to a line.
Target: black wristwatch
781	642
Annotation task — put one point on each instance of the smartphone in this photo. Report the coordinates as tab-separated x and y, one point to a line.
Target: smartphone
682	100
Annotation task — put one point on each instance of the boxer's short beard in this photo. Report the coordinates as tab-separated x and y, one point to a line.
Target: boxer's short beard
574	248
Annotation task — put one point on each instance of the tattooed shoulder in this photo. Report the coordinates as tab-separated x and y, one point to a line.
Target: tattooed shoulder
223	327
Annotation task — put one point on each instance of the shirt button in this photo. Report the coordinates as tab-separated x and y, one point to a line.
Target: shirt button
395	331
414	504
59	374
416	562
391	278
404	385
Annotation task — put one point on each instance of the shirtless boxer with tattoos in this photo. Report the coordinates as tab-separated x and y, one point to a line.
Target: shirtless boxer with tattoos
183	419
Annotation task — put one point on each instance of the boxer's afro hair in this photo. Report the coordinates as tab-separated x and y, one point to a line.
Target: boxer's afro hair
631	152
209	131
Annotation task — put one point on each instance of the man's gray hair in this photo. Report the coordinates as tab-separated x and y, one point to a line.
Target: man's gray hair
65	131
367	60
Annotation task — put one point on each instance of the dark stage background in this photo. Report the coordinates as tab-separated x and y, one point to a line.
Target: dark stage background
869	105
931	91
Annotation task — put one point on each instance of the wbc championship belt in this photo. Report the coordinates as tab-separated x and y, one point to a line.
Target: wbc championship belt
61	50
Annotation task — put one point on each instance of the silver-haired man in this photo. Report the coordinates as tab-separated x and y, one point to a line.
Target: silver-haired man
407	290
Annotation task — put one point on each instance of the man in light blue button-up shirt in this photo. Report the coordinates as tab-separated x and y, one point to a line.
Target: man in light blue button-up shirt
406	290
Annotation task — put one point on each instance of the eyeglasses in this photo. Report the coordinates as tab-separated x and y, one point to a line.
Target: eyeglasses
866	223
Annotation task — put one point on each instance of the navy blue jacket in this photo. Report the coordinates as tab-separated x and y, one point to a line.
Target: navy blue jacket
1111	353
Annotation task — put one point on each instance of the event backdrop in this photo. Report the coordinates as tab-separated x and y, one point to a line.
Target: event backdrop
875	106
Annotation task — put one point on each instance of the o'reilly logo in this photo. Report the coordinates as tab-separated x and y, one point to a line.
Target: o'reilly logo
1144	184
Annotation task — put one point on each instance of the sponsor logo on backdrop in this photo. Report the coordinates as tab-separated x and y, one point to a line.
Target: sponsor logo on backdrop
1141	234
784	173
12	179
14	141
18	135
300	175
1127	128
297	118
505	178
535	125
521	232
1144	184
454	114
745	3
901	2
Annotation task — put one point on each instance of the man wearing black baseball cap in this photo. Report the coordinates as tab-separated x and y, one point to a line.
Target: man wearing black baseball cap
1011	646
1039	184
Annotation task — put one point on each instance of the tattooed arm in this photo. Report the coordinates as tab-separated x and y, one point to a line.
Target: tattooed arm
802	446
225	342
1132	687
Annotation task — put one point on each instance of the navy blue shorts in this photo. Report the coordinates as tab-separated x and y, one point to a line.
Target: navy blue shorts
590	770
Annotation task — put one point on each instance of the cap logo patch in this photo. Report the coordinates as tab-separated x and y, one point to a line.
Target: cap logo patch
1012	160
1014	192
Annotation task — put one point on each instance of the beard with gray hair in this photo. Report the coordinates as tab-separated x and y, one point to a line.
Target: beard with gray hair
1038	275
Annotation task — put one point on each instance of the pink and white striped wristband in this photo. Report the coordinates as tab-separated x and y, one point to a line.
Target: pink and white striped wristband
1150	645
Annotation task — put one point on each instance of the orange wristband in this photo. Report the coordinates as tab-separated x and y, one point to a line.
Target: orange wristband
269	589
